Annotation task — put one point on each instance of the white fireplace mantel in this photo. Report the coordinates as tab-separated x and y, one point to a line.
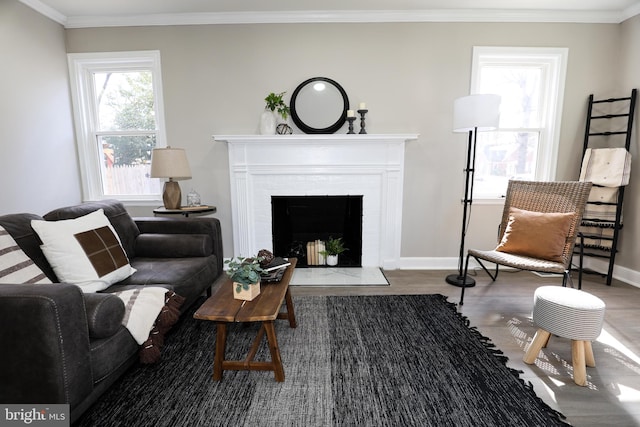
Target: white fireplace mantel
262	166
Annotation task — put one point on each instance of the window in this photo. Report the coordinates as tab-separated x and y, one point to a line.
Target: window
530	82
117	101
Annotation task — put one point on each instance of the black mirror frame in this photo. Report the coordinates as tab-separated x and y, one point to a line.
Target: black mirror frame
308	129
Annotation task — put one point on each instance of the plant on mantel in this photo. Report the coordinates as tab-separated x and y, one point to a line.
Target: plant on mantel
244	271
276	103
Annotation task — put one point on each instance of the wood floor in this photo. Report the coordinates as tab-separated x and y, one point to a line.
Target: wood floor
502	312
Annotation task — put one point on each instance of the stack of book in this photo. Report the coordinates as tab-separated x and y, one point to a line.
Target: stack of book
314	255
274	271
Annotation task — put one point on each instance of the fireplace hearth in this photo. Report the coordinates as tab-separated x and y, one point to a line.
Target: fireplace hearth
297	220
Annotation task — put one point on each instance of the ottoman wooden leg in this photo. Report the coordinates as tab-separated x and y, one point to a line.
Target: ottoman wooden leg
588	355
539	340
578	361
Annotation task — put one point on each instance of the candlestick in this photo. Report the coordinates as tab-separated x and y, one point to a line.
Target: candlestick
350	120
362	124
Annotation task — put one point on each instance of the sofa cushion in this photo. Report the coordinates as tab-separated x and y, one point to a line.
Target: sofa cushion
15	266
122	223
84	251
173	245
188	277
104	314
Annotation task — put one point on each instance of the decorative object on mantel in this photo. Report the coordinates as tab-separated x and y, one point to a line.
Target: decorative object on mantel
319	106
170	163
351	117
275	108
245	273
283	129
362	110
471	114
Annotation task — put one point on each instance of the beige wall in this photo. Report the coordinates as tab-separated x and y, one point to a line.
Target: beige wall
629	255
215	79
38	163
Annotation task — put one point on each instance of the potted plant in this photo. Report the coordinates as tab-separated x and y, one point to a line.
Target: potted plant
275	105
333	248
245	273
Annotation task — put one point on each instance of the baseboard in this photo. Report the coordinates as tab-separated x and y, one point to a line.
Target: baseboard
626	275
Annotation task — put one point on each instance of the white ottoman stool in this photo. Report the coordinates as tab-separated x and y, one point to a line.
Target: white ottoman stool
567	313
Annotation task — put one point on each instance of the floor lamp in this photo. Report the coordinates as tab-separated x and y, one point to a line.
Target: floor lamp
471	114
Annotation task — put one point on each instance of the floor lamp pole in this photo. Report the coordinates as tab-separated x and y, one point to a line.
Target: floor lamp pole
459	279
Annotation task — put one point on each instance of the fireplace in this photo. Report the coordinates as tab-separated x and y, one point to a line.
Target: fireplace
371	166
300	220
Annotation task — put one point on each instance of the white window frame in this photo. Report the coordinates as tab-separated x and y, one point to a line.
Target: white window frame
81	68
554	61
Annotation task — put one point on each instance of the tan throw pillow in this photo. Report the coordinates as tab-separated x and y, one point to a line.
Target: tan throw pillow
536	234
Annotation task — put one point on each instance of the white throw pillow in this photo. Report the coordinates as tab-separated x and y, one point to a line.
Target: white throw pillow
85	251
15	266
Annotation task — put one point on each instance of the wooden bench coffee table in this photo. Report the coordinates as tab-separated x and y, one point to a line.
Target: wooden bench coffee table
223	308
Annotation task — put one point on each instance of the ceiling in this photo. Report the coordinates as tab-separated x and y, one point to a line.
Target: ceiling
91	13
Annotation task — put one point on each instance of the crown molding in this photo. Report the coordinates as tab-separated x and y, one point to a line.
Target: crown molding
45	10
630	12
338	16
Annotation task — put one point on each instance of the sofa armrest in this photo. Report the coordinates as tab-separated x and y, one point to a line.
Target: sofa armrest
104	314
45	355
201	225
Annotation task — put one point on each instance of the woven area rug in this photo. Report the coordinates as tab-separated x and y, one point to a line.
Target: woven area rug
352	361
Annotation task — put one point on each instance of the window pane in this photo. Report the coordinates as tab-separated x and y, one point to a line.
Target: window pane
501	156
126	165
125	100
519	88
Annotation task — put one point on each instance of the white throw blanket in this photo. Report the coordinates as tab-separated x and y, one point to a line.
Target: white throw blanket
594	212
142	307
609	167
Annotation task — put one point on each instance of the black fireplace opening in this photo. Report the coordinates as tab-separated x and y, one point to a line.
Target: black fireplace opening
298	220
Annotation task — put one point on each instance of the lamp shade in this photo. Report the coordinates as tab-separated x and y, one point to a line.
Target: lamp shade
481	112
170	163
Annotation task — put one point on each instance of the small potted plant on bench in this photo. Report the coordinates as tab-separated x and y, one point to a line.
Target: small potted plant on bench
333	248
245	273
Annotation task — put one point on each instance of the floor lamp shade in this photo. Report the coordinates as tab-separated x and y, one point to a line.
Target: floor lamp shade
476	112
471	114
170	163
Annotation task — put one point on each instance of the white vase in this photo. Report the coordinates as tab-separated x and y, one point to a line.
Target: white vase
332	260
268	123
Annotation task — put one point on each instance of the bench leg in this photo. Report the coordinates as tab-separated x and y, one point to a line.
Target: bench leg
539	340
221	342
275	350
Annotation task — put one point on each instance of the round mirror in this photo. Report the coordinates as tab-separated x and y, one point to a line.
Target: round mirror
319	105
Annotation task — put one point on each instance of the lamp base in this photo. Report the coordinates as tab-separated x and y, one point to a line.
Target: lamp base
171	195
460	281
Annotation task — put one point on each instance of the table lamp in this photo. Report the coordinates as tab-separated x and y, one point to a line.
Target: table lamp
170	163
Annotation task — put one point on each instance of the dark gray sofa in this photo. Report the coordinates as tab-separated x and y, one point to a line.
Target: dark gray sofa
62	346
